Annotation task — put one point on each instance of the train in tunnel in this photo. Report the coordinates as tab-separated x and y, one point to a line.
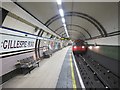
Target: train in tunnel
79	47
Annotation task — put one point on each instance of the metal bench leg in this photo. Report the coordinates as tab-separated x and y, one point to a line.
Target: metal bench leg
29	70
38	64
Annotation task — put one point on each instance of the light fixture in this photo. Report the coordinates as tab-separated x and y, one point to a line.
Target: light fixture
65	28
63	20
97	47
64	24
106	87
59	2
83	46
61	12
66	32
67	35
75	47
90	47
45	42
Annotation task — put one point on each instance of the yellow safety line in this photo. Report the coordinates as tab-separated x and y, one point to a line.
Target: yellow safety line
72	72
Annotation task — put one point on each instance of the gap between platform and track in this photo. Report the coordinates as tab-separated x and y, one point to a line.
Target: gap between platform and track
78	73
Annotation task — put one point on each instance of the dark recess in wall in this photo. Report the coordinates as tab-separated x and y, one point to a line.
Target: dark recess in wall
107	50
109	63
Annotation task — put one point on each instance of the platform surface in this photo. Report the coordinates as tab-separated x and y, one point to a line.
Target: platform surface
58	71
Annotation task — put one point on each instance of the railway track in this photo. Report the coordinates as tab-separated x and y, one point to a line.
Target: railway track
95	75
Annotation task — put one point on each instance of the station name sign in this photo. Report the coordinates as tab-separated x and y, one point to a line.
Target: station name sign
10	44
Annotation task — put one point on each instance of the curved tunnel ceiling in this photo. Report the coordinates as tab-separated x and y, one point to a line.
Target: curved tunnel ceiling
99	27
76	31
100	17
63	33
80	27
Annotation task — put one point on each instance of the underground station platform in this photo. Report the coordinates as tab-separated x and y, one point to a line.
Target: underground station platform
58	71
59	44
64	70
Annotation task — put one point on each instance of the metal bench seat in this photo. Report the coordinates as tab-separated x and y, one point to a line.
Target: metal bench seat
27	63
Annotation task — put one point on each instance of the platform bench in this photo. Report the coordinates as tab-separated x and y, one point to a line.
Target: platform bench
27	64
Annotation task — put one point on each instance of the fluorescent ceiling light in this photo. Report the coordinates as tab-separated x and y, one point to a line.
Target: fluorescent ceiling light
65	28
64	25
66	32
68	35
63	20
59	2
61	12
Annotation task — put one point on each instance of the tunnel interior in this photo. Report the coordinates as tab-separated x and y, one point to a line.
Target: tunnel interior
85	17
40	25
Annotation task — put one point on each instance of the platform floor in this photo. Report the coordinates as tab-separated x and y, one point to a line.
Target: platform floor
54	72
66	79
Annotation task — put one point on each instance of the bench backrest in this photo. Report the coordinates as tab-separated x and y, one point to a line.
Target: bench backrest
27	60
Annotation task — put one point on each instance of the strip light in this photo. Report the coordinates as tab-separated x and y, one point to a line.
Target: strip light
66	31
59	2
63	20
64	25
61	12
